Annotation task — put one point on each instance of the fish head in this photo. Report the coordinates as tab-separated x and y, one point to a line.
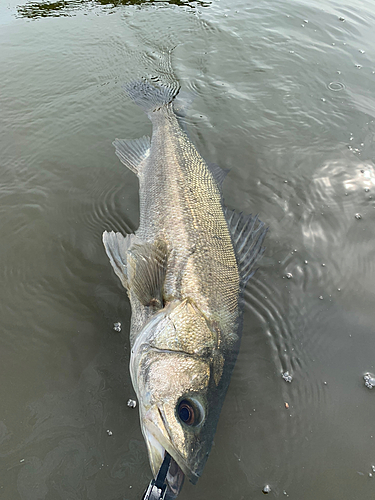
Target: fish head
176	367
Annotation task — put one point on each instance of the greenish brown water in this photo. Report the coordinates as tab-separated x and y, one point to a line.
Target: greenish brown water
283	96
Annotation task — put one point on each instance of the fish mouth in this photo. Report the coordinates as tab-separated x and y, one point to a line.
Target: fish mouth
175	476
158	443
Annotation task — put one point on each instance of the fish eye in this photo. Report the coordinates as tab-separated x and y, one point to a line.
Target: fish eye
188	412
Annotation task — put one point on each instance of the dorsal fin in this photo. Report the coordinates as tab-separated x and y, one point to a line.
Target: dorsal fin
248	234
218	173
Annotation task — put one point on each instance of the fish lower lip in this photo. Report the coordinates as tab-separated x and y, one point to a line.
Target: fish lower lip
175	476
175	480
155	439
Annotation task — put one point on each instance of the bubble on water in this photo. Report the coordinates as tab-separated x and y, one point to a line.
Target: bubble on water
117	327
306	262
358	216
369	381
131	403
287	377
322	99
305	21
323	265
336	86
266	489
289	276
367	190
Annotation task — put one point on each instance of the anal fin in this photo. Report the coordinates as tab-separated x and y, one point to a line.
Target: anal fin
248	234
132	152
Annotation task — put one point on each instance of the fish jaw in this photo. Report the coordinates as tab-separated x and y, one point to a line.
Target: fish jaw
158	443
175	477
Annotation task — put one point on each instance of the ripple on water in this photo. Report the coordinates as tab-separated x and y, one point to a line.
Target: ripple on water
331	220
286	320
309	268
69	430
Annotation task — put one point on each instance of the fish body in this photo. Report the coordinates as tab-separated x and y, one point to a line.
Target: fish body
184	269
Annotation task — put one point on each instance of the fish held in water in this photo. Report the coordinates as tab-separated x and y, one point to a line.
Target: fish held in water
185	270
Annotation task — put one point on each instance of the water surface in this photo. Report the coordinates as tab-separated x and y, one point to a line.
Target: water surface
283	96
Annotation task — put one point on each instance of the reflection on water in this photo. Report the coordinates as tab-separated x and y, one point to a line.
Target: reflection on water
35	10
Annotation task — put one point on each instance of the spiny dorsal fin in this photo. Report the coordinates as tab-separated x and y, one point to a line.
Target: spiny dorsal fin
116	246
147	264
248	234
133	151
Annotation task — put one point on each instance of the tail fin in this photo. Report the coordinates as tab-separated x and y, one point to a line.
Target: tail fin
151	97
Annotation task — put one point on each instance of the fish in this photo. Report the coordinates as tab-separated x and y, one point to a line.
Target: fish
185	270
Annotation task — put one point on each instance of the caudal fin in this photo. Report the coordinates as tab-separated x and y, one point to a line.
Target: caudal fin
151	96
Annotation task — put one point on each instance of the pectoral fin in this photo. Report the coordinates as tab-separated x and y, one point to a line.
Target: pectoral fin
248	234
116	246
147	264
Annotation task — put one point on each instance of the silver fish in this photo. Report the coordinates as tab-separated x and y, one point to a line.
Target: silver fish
185	270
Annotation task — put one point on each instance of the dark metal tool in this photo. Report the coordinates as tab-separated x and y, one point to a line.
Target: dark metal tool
157	488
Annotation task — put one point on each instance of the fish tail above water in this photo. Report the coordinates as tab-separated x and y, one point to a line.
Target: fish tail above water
152	97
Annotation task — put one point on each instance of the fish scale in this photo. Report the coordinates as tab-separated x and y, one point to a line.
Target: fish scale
192	216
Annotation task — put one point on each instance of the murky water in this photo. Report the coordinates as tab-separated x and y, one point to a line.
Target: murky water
283	96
